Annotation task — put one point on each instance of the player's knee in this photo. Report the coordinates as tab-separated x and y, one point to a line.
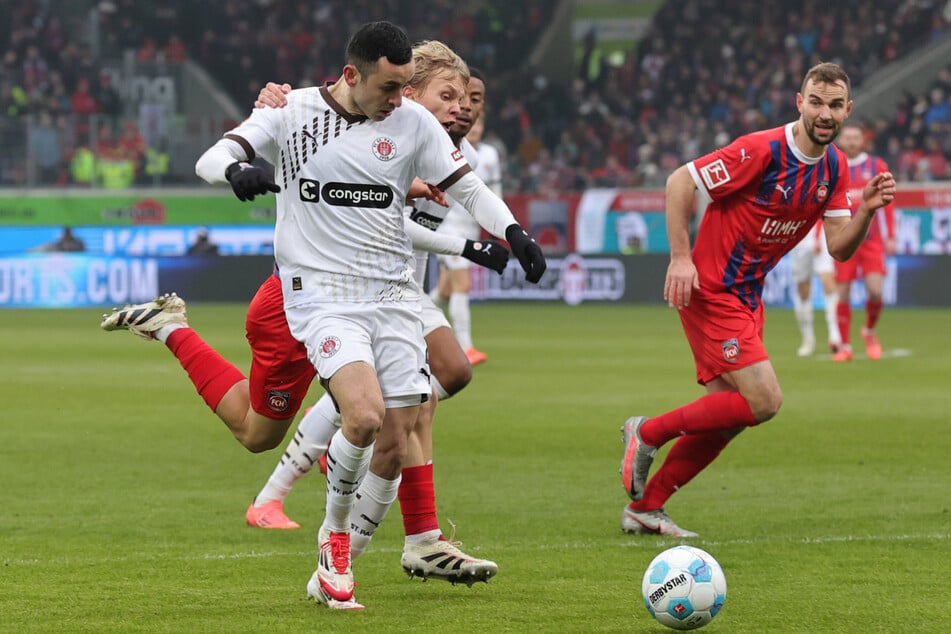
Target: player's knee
259	445
365	421
457	376
262	434
765	405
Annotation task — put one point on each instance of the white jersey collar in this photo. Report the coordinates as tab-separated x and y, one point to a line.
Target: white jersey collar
861	158
799	154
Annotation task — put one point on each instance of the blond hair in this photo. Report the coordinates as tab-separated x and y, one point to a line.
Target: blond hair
433	57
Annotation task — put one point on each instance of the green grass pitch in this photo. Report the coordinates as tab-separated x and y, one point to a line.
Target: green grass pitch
124	497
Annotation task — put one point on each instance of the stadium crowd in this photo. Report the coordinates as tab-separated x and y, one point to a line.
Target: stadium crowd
704	72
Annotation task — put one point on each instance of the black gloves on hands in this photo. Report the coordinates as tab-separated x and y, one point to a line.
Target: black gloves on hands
491	255
248	181
529	254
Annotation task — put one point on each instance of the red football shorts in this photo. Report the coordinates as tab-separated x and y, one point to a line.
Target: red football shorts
868	258
281	373
723	334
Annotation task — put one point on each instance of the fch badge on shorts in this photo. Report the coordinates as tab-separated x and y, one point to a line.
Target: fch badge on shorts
731	350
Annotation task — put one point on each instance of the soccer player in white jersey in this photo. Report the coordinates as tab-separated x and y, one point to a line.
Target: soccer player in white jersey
426	552
811	257
258	410
454	281
344	157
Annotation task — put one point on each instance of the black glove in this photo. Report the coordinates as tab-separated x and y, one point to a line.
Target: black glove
529	254
248	181
489	254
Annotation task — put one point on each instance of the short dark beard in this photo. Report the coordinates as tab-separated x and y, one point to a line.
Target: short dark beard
810	132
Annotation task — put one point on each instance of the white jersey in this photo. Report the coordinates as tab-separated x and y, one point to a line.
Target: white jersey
432	216
339	233
489	168
457	221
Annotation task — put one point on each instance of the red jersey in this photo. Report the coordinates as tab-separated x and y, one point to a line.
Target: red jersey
862	169
765	197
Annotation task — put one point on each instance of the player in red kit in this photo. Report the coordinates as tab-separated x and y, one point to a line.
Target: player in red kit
870	256
766	191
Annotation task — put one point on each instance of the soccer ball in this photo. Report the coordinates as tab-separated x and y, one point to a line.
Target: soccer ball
684	588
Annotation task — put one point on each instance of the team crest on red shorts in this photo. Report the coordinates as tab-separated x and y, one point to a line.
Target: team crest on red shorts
329	346
731	350
384	148
278	401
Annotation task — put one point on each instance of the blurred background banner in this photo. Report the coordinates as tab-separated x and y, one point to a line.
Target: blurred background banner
68	280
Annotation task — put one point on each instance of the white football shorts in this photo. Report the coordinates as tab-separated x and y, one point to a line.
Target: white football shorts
805	259
433	316
387	336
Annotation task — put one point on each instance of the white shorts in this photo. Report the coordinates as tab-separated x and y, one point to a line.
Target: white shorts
453	262
433	316
388	336
805	259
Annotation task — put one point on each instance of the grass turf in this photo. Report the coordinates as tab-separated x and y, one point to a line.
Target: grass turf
124	497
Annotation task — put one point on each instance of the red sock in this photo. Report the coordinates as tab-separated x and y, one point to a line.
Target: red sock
208	370
417	494
689	456
717	411
844	313
873	308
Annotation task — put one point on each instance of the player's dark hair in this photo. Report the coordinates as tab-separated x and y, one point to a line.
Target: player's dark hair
375	40
475	72
826	73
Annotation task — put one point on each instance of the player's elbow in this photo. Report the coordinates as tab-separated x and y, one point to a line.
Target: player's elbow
840	253
204	168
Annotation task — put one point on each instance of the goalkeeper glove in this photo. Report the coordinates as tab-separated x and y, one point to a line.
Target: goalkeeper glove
489	254
529	254
248	181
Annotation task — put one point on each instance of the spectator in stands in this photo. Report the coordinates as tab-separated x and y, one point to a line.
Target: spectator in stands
933	165
174	50
81	101
13	100
106	147
131	146
44	148
106	96
612	174
147	51
36	71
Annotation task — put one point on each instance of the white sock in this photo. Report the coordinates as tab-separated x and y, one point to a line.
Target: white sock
440	390
437	298
374	498
803	310
832	320
347	464
420	538
461	321
162	333
310	441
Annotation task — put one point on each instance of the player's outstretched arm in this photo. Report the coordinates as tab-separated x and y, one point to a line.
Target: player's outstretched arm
495	217
226	162
491	255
